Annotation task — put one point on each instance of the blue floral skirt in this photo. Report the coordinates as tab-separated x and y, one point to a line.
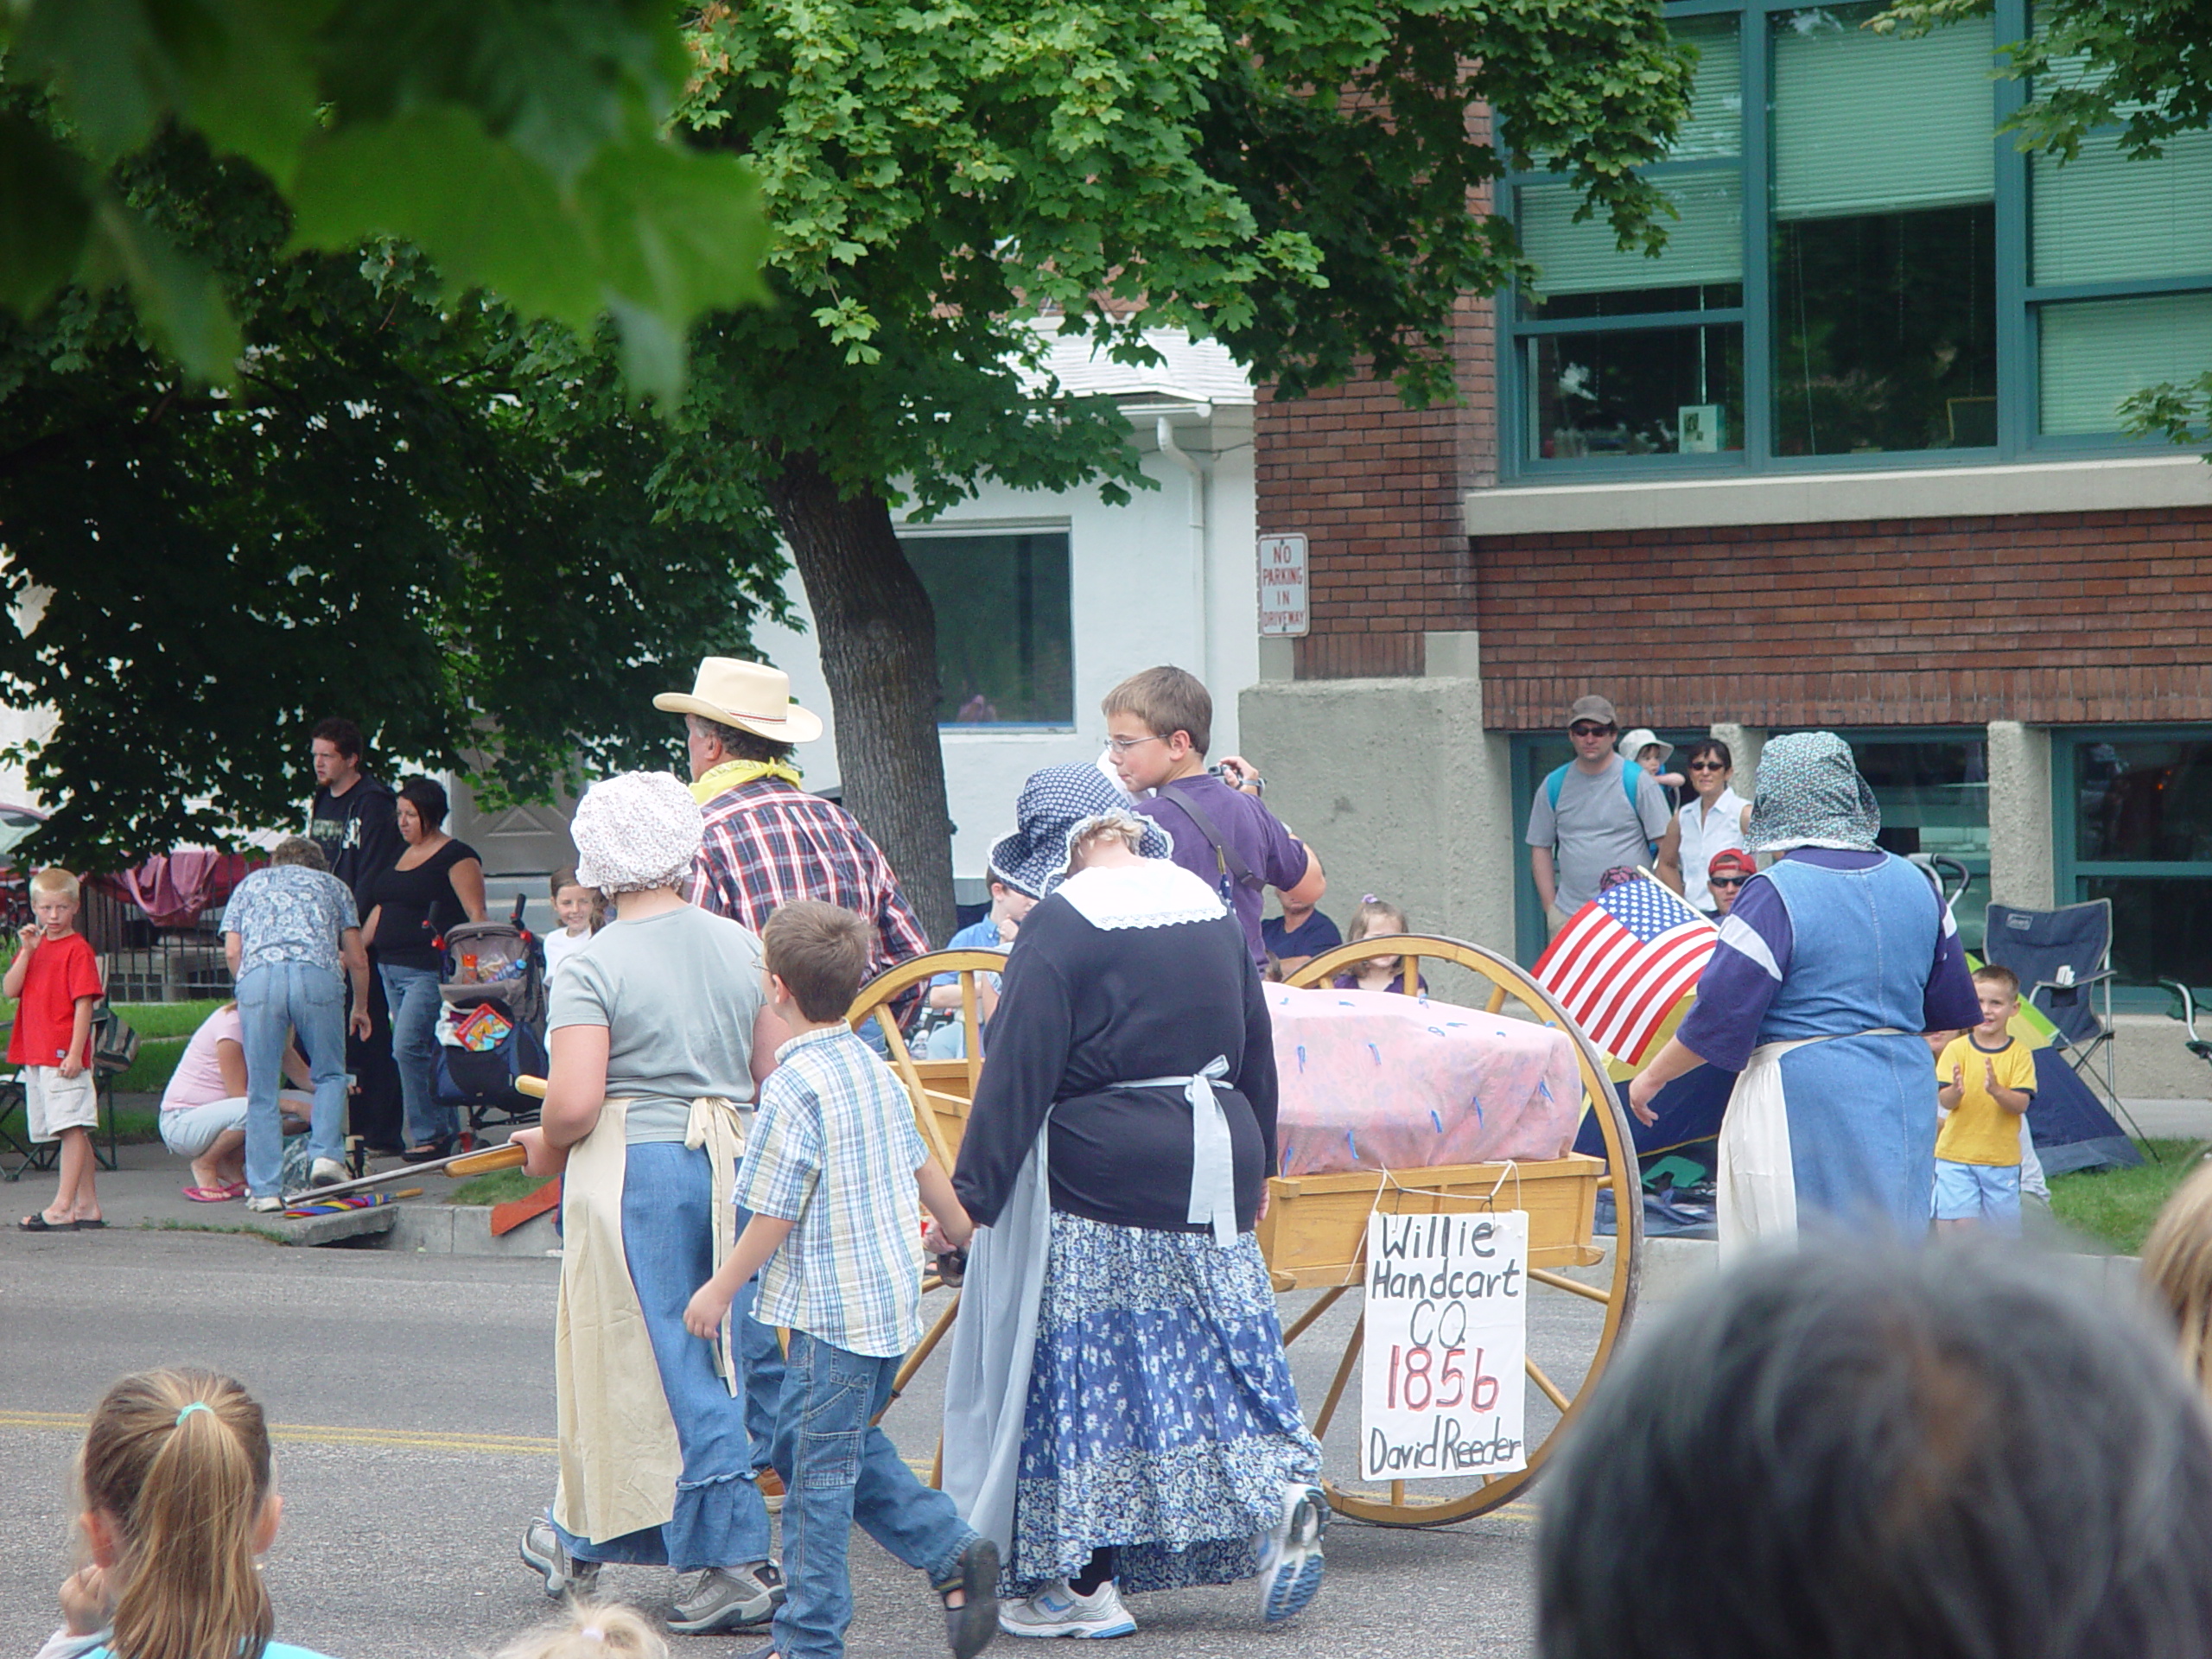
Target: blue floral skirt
1161	1418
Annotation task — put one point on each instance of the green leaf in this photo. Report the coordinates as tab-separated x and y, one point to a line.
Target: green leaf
485	213
678	232
179	298
43	207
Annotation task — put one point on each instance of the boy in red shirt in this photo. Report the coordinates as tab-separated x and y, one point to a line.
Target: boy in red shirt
56	980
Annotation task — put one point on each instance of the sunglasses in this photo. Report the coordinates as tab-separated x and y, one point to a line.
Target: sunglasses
1726	880
1707	766
1592	731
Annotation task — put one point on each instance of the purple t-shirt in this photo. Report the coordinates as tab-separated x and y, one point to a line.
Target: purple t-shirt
1247	829
1733	991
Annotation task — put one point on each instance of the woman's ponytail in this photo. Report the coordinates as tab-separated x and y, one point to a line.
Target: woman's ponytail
179	1461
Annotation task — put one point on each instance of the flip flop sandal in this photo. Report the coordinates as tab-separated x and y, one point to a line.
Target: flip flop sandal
36	1223
235	1189
207	1194
92	1226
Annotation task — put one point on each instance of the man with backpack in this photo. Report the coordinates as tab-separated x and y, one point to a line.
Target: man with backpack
1597	812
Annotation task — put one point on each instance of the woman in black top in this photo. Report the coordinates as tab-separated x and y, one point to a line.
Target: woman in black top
437	883
1148	1435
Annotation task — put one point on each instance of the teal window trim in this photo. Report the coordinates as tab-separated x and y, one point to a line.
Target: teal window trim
2018	391
2071	874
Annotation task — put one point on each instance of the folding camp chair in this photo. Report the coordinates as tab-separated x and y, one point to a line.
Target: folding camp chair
2063	958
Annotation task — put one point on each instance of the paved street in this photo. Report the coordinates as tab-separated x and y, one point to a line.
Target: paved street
415	1396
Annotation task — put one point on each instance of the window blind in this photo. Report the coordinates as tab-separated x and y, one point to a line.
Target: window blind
1705	245
1873	123
1715	127
2102	218
2094	354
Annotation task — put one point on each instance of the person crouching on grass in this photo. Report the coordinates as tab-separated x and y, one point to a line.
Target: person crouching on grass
832	1175
56	980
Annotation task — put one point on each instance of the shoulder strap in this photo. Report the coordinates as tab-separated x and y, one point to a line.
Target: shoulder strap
1629	770
1225	858
1552	784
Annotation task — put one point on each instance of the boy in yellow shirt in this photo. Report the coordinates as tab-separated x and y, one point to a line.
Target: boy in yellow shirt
1987	1080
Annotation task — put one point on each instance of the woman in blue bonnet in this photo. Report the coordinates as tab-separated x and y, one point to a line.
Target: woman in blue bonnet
1120	1415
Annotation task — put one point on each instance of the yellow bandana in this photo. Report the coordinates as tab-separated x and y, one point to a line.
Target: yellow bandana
735	774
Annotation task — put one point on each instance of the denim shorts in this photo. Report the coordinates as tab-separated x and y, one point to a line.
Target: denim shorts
1984	1192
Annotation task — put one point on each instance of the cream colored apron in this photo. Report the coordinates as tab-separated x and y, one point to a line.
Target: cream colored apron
1756	1185
619	1456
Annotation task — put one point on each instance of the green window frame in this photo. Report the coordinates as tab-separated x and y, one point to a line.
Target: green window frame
2083	311
2082	873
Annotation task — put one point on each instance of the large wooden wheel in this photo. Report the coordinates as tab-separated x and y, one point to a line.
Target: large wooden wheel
1575	1323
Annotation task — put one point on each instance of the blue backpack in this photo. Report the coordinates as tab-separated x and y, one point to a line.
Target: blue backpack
1557	781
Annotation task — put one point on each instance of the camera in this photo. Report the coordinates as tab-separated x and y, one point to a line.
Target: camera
1235	781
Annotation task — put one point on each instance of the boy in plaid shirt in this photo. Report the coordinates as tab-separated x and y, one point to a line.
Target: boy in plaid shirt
833	1172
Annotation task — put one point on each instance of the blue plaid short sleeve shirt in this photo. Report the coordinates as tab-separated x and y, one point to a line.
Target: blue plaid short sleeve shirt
833	1150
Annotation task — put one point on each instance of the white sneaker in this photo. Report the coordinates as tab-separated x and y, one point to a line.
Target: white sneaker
1290	1555
327	1172
268	1205
1058	1610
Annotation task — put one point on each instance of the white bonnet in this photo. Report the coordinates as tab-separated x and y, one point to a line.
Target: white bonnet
636	830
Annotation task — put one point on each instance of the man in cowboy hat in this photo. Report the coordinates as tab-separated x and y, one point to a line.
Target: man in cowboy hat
768	841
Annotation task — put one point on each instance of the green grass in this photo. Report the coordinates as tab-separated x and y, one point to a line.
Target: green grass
499	1186
2117	1206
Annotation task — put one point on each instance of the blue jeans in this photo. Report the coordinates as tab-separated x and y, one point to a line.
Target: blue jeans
276	1000
720	1519
412	995
838	1468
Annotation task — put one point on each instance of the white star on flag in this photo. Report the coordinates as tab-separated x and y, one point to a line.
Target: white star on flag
1625	961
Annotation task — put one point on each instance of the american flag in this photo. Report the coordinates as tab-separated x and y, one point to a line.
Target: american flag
1621	966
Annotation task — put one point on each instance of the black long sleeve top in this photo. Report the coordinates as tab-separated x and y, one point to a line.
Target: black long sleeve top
1085	1007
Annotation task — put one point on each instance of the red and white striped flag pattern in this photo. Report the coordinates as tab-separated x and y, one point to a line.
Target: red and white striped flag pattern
1625	961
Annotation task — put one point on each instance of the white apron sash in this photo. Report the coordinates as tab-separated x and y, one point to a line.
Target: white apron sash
1756	1183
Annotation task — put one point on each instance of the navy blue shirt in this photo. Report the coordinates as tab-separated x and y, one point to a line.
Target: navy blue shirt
1310	938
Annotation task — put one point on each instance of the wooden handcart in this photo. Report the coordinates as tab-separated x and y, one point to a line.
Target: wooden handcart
1582	1293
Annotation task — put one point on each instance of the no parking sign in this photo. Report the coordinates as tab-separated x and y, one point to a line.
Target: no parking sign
1441	1383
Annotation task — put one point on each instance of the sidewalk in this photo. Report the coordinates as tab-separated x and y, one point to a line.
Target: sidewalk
147	1191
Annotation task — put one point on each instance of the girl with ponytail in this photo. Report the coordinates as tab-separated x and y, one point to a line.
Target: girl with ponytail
179	1500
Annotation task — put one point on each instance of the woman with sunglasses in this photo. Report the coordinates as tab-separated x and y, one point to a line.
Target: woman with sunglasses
1712	821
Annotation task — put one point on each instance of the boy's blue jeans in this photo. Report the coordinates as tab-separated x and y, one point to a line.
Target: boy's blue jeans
720	1519
838	1468
275	1000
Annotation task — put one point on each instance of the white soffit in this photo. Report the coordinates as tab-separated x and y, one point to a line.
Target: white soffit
2113	485
1189	370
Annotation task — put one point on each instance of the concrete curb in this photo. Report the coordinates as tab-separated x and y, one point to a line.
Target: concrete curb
463	1229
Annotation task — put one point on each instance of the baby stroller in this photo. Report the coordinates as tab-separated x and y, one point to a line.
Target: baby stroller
492	1028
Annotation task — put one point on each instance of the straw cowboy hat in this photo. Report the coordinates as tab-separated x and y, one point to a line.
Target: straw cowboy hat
751	696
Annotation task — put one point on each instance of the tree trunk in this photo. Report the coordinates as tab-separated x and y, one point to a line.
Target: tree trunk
878	637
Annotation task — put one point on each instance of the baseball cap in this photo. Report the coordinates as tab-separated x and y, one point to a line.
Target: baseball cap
1732	859
1592	708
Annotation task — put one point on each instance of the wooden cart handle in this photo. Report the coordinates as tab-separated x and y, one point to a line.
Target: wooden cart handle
483	1163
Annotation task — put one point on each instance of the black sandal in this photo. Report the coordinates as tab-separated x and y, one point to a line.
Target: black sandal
970	1627
36	1223
429	1151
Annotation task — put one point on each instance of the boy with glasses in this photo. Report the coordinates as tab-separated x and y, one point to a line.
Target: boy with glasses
1592	815
1159	724
1725	878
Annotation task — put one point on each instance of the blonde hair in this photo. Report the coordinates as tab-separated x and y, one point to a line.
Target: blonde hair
1373	909
589	1629
1168	701
52	880
178	1461
2177	1269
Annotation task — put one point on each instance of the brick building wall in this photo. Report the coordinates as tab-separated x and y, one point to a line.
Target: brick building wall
2084	618
1377	489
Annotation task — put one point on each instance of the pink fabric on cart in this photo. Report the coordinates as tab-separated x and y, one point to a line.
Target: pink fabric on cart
1375	1080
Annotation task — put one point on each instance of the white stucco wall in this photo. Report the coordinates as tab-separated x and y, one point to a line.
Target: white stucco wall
1134	603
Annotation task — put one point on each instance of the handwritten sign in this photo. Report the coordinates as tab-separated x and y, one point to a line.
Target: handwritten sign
1441	1384
1282	586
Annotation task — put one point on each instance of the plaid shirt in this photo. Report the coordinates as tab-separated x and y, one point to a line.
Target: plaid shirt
835	1150
768	843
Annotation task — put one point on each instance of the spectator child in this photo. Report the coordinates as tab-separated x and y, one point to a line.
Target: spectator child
1645	746
1159	725
833	1170
56	980
589	1629
180	1501
1372	920
1725	877
1988	1079
583	912
1299	933
996	931
2177	1269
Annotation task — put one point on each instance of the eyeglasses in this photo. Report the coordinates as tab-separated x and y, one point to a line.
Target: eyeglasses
1707	766
1592	731
1123	745
1726	880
